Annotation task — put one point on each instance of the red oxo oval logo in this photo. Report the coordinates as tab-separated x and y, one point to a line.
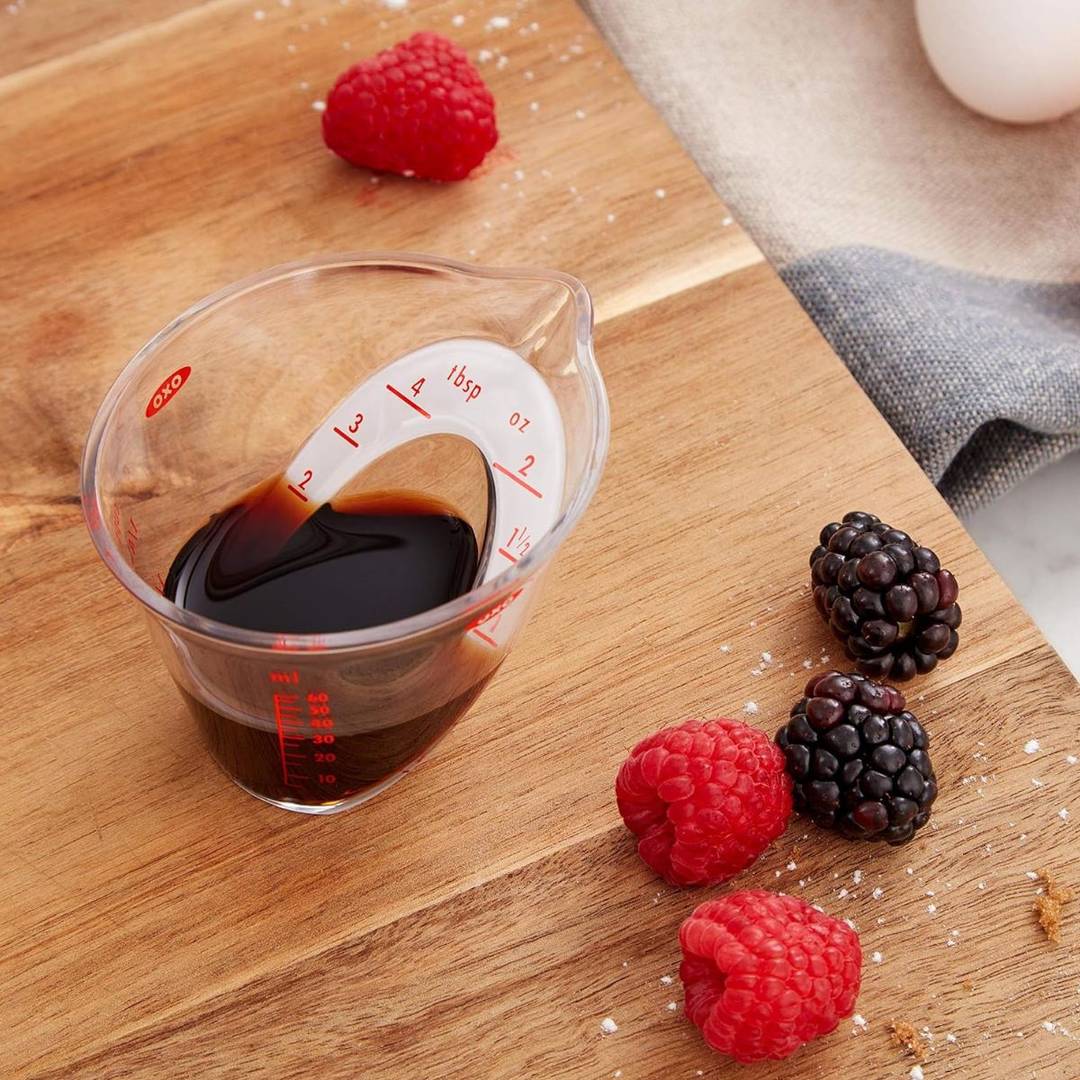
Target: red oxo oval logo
165	392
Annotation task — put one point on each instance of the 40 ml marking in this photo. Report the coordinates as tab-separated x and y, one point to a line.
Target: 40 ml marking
167	391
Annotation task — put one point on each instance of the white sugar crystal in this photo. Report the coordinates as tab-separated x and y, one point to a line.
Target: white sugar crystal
842	894
1063	814
766	657
484	55
808	663
498	22
725	648
1031	875
725	221
751	708
666	980
534	106
502	62
1031	746
258	14
1071	759
792	865
672	1006
876	957
610	218
395	5
1036	782
878	893
859	1021
857	877
528	76
458	20
931	908
608	1026
917	1073
950	1037
319	106
579	113
662	194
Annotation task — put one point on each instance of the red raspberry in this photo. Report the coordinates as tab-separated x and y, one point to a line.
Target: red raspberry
419	108
705	798
765	973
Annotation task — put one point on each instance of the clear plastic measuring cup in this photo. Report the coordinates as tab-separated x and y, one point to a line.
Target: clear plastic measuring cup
345	374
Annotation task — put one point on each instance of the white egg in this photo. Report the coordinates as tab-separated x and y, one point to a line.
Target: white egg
1012	60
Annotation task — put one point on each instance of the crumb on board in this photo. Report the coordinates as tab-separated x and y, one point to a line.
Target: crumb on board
906	1037
1048	906
608	1026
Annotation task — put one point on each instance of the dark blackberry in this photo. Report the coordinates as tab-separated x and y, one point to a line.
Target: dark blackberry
858	759
887	599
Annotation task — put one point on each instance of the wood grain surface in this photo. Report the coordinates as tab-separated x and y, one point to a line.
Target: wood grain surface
481	918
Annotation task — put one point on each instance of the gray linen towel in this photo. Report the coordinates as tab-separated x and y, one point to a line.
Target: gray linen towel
936	250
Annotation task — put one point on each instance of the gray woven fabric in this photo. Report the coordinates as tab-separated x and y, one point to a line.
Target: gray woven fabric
934	248
980	377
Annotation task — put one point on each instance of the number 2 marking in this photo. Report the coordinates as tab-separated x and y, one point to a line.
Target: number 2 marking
530	461
298	489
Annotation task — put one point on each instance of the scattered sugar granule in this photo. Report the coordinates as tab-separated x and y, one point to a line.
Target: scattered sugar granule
1071	759
610	218
909	870
528	76
950	1037
395	5
484	55
502	62
792	865
726	221
258	14
496	22
1031	746
666	980
519	175
842	894
458	20
534	106
580	114
878	893
751	708
672	1006
931	908
608	1026
766	658
753	623
1036	782
981	885
725	648
917	1073
876	958
319	106
857	877
808	663
290	47
304	84
1063	814
662	194
860	1022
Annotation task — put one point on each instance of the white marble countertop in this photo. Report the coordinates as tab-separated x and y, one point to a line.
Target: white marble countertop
1032	536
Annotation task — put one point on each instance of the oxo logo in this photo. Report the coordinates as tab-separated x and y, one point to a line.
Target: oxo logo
164	393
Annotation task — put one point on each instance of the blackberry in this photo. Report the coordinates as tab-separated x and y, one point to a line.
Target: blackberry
887	599
858	759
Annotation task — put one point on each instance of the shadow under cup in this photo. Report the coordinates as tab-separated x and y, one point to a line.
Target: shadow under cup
221	399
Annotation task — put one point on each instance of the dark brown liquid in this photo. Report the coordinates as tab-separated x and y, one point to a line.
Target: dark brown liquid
319	728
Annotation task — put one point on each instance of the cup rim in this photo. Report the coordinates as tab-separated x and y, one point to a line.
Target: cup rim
461	608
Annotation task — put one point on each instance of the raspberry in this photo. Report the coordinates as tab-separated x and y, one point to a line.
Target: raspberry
705	798
419	108
765	973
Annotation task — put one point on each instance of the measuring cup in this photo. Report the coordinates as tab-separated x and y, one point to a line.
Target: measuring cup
338	375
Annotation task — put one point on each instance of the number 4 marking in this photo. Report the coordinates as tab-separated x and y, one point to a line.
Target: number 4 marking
417	387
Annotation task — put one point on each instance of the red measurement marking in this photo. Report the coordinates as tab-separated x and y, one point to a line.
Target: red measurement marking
279	721
410	403
348	438
166	391
517	479
298	493
504	552
484	637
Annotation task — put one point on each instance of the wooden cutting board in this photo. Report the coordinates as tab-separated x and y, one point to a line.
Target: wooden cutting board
483	917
